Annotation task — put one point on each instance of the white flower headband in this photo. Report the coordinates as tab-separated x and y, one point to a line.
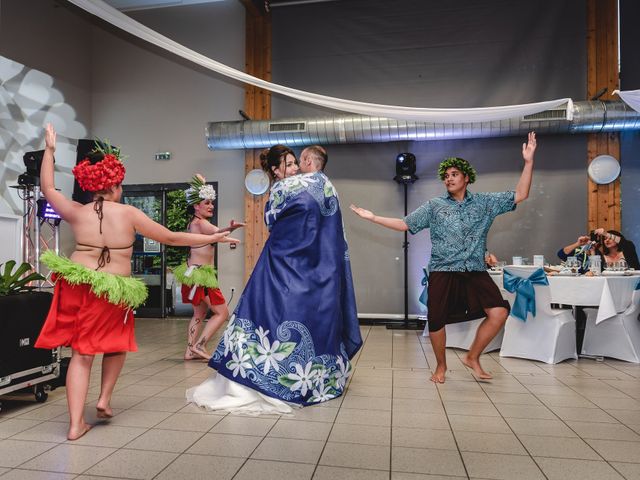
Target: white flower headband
199	190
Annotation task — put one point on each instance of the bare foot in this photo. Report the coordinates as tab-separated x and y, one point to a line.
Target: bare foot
438	375
477	369
104	412
199	352
76	433
190	356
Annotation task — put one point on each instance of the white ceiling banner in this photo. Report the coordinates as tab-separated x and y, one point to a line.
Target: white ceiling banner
438	115
630	97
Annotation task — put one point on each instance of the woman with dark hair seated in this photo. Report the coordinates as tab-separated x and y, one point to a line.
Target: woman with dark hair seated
611	245
615	247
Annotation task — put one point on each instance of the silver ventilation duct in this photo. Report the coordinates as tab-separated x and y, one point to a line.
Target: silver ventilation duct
588	117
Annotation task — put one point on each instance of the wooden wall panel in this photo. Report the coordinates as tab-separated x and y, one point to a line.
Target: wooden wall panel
602	72
258	107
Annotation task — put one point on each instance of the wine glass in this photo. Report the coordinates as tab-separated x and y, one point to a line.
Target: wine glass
572	264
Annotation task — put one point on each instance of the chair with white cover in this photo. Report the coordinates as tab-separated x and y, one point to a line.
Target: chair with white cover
461	335
615	337
550	335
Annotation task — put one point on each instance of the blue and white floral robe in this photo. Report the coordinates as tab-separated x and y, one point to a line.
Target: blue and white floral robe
295	327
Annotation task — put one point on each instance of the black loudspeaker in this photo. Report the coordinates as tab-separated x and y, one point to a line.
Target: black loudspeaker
79	195
405	168
33	162
85	147
405	164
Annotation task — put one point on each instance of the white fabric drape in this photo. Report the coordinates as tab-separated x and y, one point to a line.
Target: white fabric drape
630	97
220	393
438	115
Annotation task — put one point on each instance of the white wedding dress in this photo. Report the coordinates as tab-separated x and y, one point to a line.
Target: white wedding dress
219	393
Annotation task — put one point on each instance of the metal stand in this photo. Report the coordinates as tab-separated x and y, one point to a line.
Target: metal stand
34	236
406	324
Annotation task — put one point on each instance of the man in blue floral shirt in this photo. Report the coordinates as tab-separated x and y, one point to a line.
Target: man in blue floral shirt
460	289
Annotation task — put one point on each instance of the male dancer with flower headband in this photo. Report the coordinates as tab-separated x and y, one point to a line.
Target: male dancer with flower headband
197	275
460	288
95	295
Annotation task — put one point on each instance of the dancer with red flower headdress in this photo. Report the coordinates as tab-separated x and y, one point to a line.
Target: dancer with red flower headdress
95	295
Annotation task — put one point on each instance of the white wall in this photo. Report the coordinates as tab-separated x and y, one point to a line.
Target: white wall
459	53
45	60
135	95
148	101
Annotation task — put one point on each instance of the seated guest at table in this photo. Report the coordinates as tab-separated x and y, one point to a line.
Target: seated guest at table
614	247
581	249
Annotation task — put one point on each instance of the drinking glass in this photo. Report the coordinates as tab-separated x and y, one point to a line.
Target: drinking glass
575	266
594	264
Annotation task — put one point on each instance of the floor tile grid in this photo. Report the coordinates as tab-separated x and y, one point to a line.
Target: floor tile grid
204	433
95	379
365	336
561	420
483	384
175	351
426	352
428	373
141	365
249	457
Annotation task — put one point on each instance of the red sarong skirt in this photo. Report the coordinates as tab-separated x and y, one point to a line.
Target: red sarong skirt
87	323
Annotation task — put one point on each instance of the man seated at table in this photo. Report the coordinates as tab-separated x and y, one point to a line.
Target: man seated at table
581	249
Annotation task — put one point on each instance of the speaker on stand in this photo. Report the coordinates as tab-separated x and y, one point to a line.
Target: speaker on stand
405	176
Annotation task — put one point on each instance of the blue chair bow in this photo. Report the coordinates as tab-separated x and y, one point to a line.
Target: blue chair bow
525	301
637	285
423	295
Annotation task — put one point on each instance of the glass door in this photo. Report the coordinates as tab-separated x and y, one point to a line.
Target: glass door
148	258
153	262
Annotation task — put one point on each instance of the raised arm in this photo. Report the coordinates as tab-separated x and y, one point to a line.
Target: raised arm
392	223
148	228
524	184
582	240
63	206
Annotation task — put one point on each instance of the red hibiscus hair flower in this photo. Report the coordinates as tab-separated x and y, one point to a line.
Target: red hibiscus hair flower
101	175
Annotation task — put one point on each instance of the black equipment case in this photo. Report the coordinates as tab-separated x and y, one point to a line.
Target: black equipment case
21	364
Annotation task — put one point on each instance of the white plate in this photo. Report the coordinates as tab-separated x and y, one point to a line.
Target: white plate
565	274
610	273
257	182
603	169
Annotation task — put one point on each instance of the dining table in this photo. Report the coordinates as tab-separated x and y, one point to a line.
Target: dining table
610	292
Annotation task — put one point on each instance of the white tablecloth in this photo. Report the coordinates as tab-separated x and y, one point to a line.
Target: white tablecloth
610	294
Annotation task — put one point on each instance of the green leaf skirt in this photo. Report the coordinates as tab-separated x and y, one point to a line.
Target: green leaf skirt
116	289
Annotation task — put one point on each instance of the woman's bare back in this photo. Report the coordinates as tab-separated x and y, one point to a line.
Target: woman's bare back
118	234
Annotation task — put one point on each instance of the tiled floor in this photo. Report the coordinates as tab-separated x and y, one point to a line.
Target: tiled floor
575	420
